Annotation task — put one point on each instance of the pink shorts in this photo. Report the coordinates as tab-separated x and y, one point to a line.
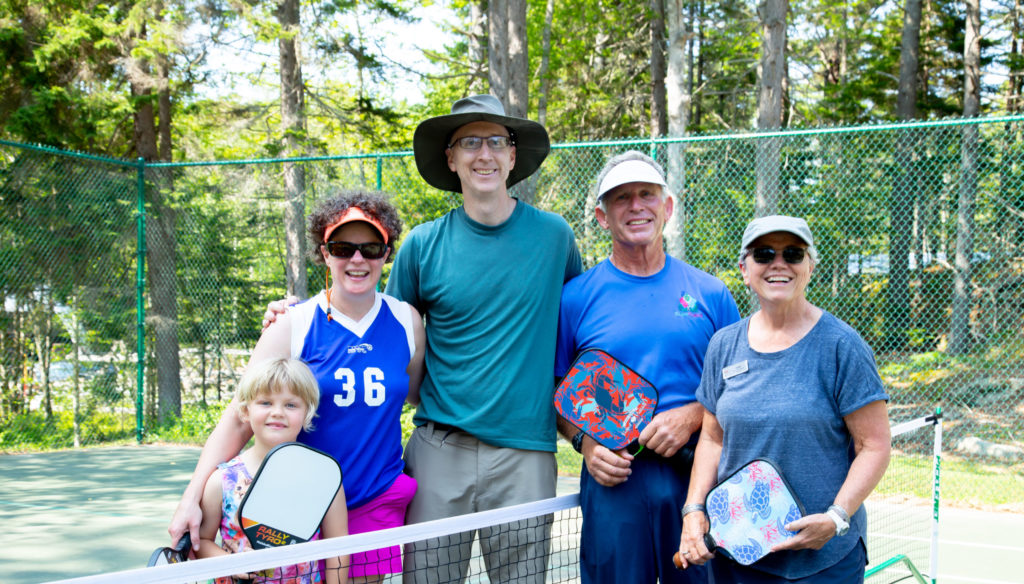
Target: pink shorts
383	512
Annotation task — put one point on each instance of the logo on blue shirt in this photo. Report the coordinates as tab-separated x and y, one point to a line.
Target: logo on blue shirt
360	348
687	305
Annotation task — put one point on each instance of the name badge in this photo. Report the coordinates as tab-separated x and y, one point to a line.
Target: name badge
735	369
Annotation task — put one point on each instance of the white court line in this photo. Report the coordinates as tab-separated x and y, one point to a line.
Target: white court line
989	546
948	577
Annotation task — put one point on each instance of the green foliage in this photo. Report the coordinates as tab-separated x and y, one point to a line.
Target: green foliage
407	426
193	427
569	461
963	482
30	431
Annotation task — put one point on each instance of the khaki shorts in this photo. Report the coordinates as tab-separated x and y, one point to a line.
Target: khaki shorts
458	474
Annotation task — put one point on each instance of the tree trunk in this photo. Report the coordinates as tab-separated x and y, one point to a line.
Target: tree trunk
771	72
902	200
160	256
659	116
696	69
160	239
545	63
497	49
293	125
477	49
910	50
678	83
164	99
1016	80
517	99
42	329
518	60
960	323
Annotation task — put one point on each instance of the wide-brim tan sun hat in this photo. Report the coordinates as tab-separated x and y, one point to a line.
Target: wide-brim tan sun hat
431	139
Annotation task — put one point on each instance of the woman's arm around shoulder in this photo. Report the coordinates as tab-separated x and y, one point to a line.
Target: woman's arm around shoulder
415	369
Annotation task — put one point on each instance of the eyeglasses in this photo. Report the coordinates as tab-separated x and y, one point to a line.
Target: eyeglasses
475	142
373	250
766	255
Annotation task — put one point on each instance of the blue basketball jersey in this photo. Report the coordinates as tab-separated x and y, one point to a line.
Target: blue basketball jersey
361	368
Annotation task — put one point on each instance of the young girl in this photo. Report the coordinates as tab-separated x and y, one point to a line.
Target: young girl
277	398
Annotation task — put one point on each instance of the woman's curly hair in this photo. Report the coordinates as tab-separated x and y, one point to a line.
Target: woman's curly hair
327	211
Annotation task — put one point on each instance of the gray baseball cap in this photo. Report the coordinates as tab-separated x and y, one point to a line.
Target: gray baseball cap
771	224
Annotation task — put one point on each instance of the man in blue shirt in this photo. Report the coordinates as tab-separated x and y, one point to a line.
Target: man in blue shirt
656	314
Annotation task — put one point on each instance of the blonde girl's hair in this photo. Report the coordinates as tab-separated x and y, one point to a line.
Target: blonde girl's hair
268	377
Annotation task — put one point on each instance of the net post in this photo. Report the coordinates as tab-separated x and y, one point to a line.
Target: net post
933	567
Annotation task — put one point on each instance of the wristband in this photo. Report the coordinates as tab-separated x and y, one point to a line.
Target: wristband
693	508
840	512
577	441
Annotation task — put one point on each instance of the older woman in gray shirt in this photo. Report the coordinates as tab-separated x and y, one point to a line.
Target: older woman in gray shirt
795	385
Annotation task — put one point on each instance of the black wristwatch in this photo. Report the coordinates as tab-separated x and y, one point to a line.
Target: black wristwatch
577	441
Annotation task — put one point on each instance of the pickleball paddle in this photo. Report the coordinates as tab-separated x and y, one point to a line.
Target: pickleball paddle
289	495
171	555
606	399
748	512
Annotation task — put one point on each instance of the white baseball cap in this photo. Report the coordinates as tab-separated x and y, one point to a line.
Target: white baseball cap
627	172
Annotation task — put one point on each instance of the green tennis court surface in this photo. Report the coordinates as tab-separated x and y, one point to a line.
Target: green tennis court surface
77	513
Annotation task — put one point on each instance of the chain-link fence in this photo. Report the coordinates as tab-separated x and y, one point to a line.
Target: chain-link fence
920	229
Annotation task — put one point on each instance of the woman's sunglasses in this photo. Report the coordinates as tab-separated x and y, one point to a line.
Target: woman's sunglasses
373	250
765	255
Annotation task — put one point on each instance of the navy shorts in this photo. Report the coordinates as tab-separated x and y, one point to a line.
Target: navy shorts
631	530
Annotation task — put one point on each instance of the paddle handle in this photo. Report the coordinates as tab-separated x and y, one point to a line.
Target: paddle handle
678	561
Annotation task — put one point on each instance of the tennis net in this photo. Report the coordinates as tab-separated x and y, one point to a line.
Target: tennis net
903	510
452	550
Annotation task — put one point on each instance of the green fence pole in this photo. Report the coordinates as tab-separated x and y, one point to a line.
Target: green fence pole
140	305
380	173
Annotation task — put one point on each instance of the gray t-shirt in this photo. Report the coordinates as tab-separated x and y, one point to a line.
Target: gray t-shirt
788	407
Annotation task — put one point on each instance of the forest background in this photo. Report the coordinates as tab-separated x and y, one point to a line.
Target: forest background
316	86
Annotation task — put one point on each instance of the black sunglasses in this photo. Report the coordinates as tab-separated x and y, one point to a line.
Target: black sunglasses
373	250
765	255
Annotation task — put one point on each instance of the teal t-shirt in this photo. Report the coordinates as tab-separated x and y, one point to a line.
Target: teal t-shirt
490	296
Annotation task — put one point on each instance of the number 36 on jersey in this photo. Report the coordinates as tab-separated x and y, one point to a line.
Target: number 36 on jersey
370	386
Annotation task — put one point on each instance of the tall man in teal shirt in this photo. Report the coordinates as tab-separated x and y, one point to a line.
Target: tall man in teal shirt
487	276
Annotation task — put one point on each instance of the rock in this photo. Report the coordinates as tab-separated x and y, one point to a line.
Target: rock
977	447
